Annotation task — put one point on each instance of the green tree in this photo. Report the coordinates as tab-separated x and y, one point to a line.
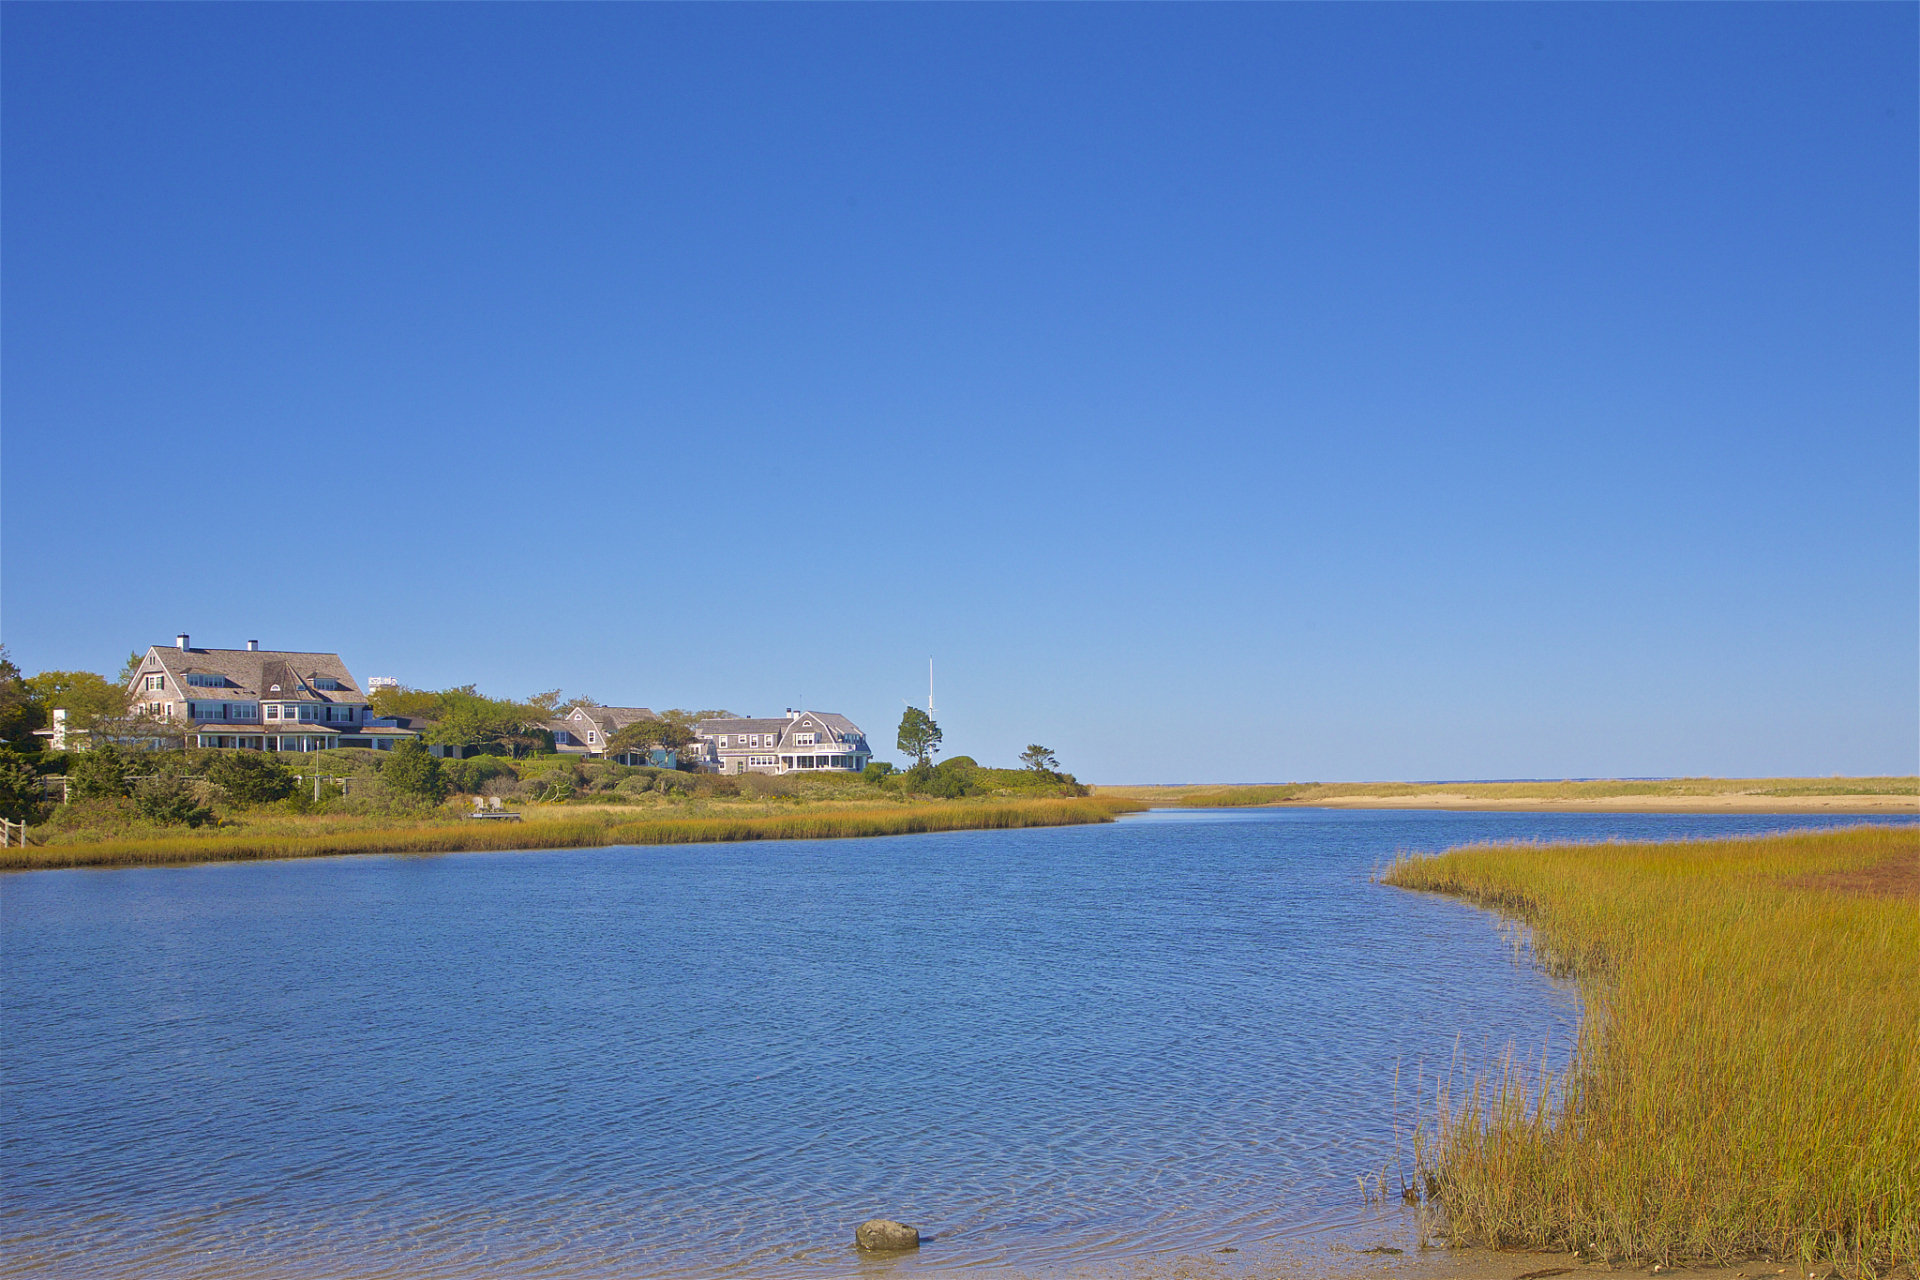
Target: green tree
919	735
87	697
250	777
20	794
414	704
464	717
19	714
552	705
671	731
99	774
1040	759
493	725
412	771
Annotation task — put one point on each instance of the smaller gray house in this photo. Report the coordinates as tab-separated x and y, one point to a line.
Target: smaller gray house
587	730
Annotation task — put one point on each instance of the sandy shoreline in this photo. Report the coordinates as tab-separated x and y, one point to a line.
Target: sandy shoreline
1319	1260
1731	802
1839	797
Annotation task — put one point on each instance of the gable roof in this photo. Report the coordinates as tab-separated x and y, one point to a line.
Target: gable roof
607	719
831	722
741	725
252	673
838	723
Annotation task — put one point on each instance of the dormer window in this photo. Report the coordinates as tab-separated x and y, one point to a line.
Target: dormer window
207	681
326	682
592	736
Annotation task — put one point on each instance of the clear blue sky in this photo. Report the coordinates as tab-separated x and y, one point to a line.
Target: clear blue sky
1231	393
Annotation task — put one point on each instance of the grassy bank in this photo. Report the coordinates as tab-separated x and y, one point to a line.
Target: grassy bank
559	828
1747	1073
1716	790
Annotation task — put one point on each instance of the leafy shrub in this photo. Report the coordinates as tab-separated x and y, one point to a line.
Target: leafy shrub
20	795
716	785
100	774
876	771
471	776
414	772
249	778
552	788
307	798
99	816
603	778
947	786
673	783
168	800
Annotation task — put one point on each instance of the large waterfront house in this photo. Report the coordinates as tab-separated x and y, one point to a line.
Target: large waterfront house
261	699
800	741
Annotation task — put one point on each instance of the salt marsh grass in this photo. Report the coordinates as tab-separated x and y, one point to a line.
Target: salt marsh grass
1747	1080
564	831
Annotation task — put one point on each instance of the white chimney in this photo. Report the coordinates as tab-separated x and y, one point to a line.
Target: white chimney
253	646
180	641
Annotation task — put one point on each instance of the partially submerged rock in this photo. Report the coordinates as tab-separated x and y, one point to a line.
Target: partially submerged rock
884	1233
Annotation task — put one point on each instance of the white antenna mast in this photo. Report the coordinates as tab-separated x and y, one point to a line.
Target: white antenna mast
929	686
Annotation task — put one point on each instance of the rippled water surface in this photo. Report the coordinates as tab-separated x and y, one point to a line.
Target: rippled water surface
1044	1048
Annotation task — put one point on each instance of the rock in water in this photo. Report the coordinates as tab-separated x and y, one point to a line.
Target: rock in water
883	1233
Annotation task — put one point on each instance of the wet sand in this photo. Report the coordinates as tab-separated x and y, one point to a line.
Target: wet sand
1313	1260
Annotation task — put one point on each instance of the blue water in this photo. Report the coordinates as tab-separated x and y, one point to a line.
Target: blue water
1044	1048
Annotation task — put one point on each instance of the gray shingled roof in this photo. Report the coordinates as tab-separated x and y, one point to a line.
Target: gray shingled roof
251	673
829	721
707	728
609	720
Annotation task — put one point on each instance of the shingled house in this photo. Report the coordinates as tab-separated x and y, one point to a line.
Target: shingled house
800	741
259	699
587	730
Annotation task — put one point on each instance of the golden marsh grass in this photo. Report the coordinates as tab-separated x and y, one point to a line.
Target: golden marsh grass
1747	1081
600	827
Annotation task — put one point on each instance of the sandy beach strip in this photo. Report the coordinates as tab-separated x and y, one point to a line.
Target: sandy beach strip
1727	802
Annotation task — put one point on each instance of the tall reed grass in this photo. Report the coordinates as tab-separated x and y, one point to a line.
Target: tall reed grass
1747	1080
564	833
